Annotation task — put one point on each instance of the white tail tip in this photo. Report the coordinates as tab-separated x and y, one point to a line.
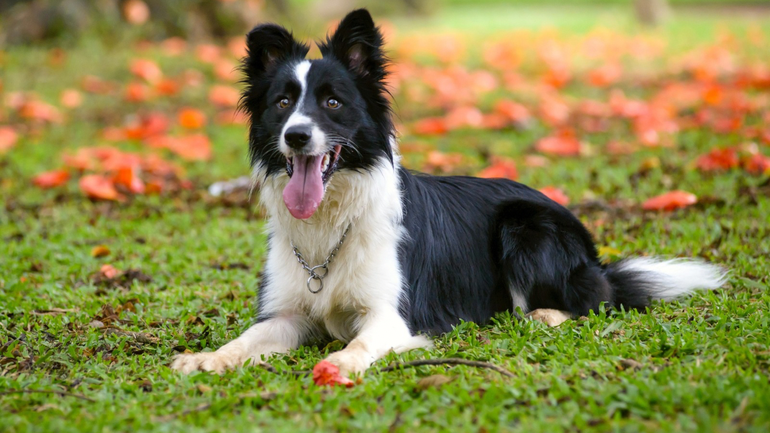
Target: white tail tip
675	278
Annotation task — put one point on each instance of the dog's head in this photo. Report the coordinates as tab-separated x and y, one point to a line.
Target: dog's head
312	118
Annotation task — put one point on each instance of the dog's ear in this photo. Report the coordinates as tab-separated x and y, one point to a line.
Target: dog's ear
357	43
267	45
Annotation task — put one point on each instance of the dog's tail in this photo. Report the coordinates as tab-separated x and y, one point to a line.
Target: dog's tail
637	281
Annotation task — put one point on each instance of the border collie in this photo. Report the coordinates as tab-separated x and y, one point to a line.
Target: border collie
362	250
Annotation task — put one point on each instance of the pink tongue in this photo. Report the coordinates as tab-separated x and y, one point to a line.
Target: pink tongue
305	189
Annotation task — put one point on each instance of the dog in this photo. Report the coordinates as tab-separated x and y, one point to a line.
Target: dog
364	251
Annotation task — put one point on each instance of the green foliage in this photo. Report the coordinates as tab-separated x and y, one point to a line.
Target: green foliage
696	365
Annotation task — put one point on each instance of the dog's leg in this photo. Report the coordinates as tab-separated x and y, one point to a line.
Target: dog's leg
549	317
380	332
278	334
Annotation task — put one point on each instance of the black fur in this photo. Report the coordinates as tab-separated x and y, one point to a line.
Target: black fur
470	243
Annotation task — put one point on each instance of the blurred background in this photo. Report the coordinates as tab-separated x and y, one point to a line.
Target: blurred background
548	92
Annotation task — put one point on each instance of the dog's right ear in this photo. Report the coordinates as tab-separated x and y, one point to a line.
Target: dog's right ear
267	45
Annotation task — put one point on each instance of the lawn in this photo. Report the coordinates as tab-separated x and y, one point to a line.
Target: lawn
98	294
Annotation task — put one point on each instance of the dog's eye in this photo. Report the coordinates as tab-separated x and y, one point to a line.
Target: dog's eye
284	103
333	103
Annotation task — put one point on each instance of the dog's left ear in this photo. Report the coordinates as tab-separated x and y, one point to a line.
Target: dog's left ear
357	43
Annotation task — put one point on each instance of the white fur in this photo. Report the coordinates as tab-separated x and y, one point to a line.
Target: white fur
278	334
672	279
317	137
362	290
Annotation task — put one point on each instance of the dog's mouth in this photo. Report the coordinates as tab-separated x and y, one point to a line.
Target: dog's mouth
308	175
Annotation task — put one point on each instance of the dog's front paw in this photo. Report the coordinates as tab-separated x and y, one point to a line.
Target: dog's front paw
217	362
349	362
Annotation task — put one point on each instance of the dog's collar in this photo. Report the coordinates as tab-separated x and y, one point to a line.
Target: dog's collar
313	270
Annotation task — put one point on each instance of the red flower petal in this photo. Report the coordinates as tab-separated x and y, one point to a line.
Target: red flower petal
556	195
670	201
500	168
99	187
51	179
326	373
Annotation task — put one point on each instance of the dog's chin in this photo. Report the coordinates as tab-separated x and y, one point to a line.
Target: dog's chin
308	176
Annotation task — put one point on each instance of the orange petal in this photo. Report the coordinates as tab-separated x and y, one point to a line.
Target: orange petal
500	168
128	177
51	179
8	138
71	98
191	118
224	96
326	373
757	164
430	126
108	271
196	147
563	143
136	92
670	201
147	70
136	12
556	195
718	159
98	187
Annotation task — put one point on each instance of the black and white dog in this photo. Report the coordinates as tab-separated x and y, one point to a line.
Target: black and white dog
364	251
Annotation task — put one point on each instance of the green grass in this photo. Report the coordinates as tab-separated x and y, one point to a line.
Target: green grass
701	364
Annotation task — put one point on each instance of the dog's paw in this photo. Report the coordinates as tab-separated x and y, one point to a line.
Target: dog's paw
349	362
416	342
549	317
217	362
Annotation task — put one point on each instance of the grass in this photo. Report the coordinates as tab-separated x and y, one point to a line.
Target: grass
694	365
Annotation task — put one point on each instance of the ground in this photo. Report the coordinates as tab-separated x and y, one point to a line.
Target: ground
184	266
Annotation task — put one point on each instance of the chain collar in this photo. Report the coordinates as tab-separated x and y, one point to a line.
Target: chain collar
313	270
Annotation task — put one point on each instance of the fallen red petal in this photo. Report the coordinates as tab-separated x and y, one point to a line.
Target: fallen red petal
670	201
326	373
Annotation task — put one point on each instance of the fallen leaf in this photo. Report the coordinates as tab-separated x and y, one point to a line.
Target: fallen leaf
226	70
108	271
630	364
207	53
326	373
99	187
128	177
445	162
514	111
430	126
196	147
501	168
136	92
71	98
8	138
757	164
670	201
37	110
718	159
167	87
191	118
51	179
433	381
556	195
464	117
563	143
136	12
224	96
100	251
146	69
605	250
173	46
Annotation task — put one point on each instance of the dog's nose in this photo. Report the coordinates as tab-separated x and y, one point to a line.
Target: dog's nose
297	136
